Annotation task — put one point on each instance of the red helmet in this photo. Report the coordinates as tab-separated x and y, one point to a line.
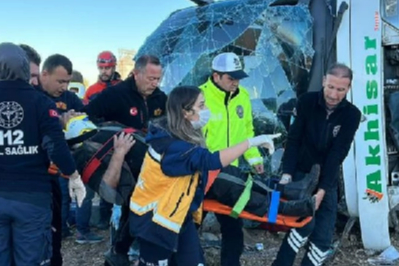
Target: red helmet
106	59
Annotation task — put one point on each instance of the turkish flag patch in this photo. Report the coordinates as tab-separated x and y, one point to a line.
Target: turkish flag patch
53	113
133	111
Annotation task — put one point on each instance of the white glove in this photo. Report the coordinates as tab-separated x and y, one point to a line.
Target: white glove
77	189
116	216
265	141
285	179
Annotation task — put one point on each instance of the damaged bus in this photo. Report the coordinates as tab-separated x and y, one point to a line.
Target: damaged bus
286	46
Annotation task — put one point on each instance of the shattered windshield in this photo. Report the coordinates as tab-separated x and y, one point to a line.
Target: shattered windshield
274	43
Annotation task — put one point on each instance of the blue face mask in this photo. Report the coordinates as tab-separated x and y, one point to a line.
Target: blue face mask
204	116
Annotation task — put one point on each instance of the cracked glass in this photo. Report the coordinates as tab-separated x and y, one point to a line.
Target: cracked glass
273	42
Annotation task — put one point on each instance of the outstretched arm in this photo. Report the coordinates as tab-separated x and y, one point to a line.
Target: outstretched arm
122	145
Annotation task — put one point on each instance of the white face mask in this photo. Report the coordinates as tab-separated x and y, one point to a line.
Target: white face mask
204	116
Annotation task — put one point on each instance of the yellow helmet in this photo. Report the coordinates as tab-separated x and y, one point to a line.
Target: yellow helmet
78	129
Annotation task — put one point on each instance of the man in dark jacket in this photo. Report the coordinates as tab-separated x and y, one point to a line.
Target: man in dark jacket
321	133
30	136
132	102
54	80
56	258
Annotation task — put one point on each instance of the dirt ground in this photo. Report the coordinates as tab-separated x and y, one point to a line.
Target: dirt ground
350	253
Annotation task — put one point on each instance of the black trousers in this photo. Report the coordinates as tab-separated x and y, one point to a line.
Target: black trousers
56	259
123	240
232	240
318	235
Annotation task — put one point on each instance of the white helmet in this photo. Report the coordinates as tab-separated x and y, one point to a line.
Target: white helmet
77	88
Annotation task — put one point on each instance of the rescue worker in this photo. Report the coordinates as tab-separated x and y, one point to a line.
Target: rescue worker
54	80
106	64
168	196
56	258
31	136
322	133
230	123
132	102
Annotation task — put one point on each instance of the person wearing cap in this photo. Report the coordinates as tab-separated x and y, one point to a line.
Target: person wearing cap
230	123
31	136
108	76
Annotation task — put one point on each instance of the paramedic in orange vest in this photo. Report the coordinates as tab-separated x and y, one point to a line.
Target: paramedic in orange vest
167	199
106	63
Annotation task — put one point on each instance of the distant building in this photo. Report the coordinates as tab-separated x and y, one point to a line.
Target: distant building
125	62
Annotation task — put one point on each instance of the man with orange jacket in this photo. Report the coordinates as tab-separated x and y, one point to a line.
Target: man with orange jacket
106	63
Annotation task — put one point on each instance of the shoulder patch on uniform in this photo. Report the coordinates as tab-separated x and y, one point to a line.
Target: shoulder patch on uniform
336	130
53	113
133	111
240	111
158	112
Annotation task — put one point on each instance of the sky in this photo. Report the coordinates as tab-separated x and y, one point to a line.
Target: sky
80	29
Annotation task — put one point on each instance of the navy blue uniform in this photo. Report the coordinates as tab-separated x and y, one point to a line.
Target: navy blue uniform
68	101
61	200
30	136
124	104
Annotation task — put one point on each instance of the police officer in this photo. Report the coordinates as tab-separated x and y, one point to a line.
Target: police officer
322	133
30	136
230	123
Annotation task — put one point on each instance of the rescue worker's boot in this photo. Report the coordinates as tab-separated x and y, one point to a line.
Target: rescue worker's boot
303	188
302	208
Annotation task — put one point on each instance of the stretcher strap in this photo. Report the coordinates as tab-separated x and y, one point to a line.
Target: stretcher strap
273	207
96	160
243	199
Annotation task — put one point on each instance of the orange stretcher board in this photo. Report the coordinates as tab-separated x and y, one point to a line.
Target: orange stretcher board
290	221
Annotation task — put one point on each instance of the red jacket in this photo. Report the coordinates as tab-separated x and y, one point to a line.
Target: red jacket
98	87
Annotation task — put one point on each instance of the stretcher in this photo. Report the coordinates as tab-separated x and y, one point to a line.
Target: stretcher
237	211
209	205
286	221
